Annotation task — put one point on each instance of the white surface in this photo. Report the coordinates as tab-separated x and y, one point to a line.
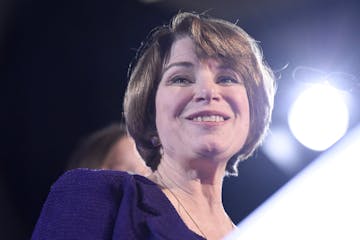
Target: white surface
322	202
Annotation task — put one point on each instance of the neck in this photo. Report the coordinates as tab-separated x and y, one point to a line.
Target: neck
197	198
200	184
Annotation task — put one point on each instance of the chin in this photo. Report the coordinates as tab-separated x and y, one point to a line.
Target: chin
210	151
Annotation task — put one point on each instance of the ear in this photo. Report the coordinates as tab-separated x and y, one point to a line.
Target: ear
155	141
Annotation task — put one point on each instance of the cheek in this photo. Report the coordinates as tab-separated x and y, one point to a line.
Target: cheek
239	103
245	111
161	102
163	111
245	108
171	102
245	115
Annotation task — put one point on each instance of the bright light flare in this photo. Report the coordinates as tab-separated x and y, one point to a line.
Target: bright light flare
280	148
321	202
319	117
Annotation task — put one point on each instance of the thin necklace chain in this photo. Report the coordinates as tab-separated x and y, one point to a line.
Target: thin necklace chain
179	202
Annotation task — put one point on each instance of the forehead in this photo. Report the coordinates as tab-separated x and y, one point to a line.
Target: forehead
185	50
181	50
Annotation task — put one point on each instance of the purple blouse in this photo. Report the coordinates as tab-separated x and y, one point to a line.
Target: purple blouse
104	204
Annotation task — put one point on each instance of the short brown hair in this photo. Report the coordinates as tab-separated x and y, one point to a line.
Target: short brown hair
213	38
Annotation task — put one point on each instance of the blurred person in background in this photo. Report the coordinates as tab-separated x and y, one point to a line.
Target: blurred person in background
109	148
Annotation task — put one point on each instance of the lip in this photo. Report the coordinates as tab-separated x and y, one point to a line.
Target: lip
207	113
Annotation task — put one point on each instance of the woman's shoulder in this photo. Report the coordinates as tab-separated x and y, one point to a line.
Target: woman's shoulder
97	181
90	177
84	185
86	198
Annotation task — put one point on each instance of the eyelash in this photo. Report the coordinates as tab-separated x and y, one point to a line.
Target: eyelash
180	80
184	81
232	80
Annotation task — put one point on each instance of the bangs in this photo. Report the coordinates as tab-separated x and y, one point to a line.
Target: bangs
216	38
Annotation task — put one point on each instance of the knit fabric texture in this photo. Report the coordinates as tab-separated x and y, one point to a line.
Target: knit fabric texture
104	204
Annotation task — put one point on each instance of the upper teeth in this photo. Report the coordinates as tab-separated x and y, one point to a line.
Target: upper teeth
212	118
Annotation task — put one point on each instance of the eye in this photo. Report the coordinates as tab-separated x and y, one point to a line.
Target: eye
180	80
227	80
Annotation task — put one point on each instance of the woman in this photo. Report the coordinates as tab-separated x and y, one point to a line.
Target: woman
109	148
199	100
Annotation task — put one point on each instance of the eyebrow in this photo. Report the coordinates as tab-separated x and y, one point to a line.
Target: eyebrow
225	66
178	64
186	64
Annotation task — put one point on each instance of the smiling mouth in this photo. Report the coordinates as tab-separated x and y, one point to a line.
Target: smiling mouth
210	118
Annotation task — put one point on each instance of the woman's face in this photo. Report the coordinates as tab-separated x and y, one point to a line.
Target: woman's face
202	109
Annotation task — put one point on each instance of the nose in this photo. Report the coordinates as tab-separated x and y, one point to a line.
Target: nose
206	90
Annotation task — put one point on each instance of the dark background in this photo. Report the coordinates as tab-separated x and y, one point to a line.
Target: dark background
64	70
